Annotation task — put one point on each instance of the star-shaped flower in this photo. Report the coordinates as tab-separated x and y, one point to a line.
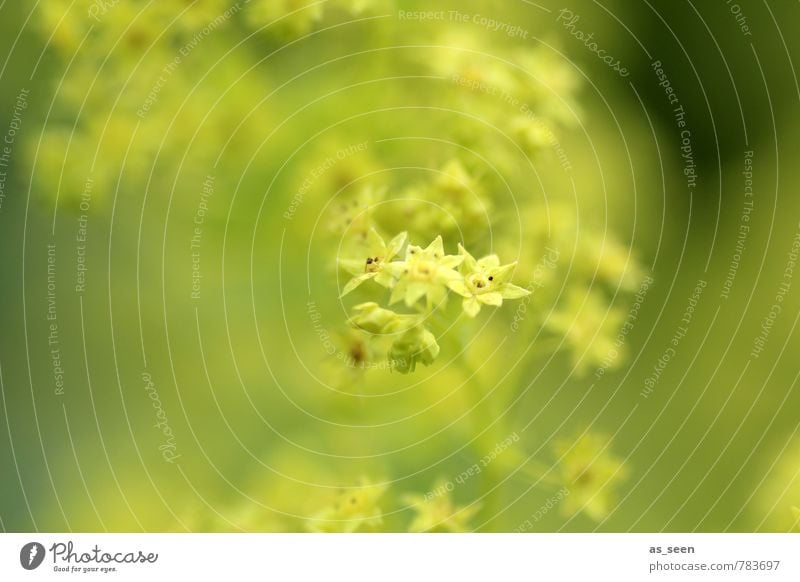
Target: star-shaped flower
485	282
589	328
437	513
589	470
373	265
353	508
424	273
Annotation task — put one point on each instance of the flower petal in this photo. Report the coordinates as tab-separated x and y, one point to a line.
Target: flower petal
395	269
502	274
414	291
451	261
353	266
355	282
376	241
384	278
436	248
446	275
492	298
510	291
395	245
436	295
489	262
471	306
469	265
412	251
398	292
458	286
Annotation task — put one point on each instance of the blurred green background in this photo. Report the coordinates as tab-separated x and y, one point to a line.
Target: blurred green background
265	428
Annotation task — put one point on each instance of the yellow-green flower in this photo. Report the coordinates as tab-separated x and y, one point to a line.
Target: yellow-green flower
354	508
351	355
351	213
424	273
372	264
360	6
534	134
485	282
193	15
460	195
438	513
64	26
287	18
414	344
614	262
589	327
552	82
374	319
455	181
590	471
452	204
470	62
417	345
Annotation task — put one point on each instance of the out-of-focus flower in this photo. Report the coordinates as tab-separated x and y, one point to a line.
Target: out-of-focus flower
614	262
294	18
485	282
472	64
776	504
436	512
589	327
590	472
459	193
130	29
534	135
552	81
196	14
453	204
372	264
354	508
347	364
334	166
424	273
287	18
455	181
356	348
64	26
352	213
361	6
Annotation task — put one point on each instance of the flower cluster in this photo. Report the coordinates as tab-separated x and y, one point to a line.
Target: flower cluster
419	265
421	280
534	88
354	508
137	102
451	200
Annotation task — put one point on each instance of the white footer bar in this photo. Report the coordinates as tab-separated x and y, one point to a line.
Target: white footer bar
401	557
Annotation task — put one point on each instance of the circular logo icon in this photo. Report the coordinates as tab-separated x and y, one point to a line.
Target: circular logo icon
31	555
